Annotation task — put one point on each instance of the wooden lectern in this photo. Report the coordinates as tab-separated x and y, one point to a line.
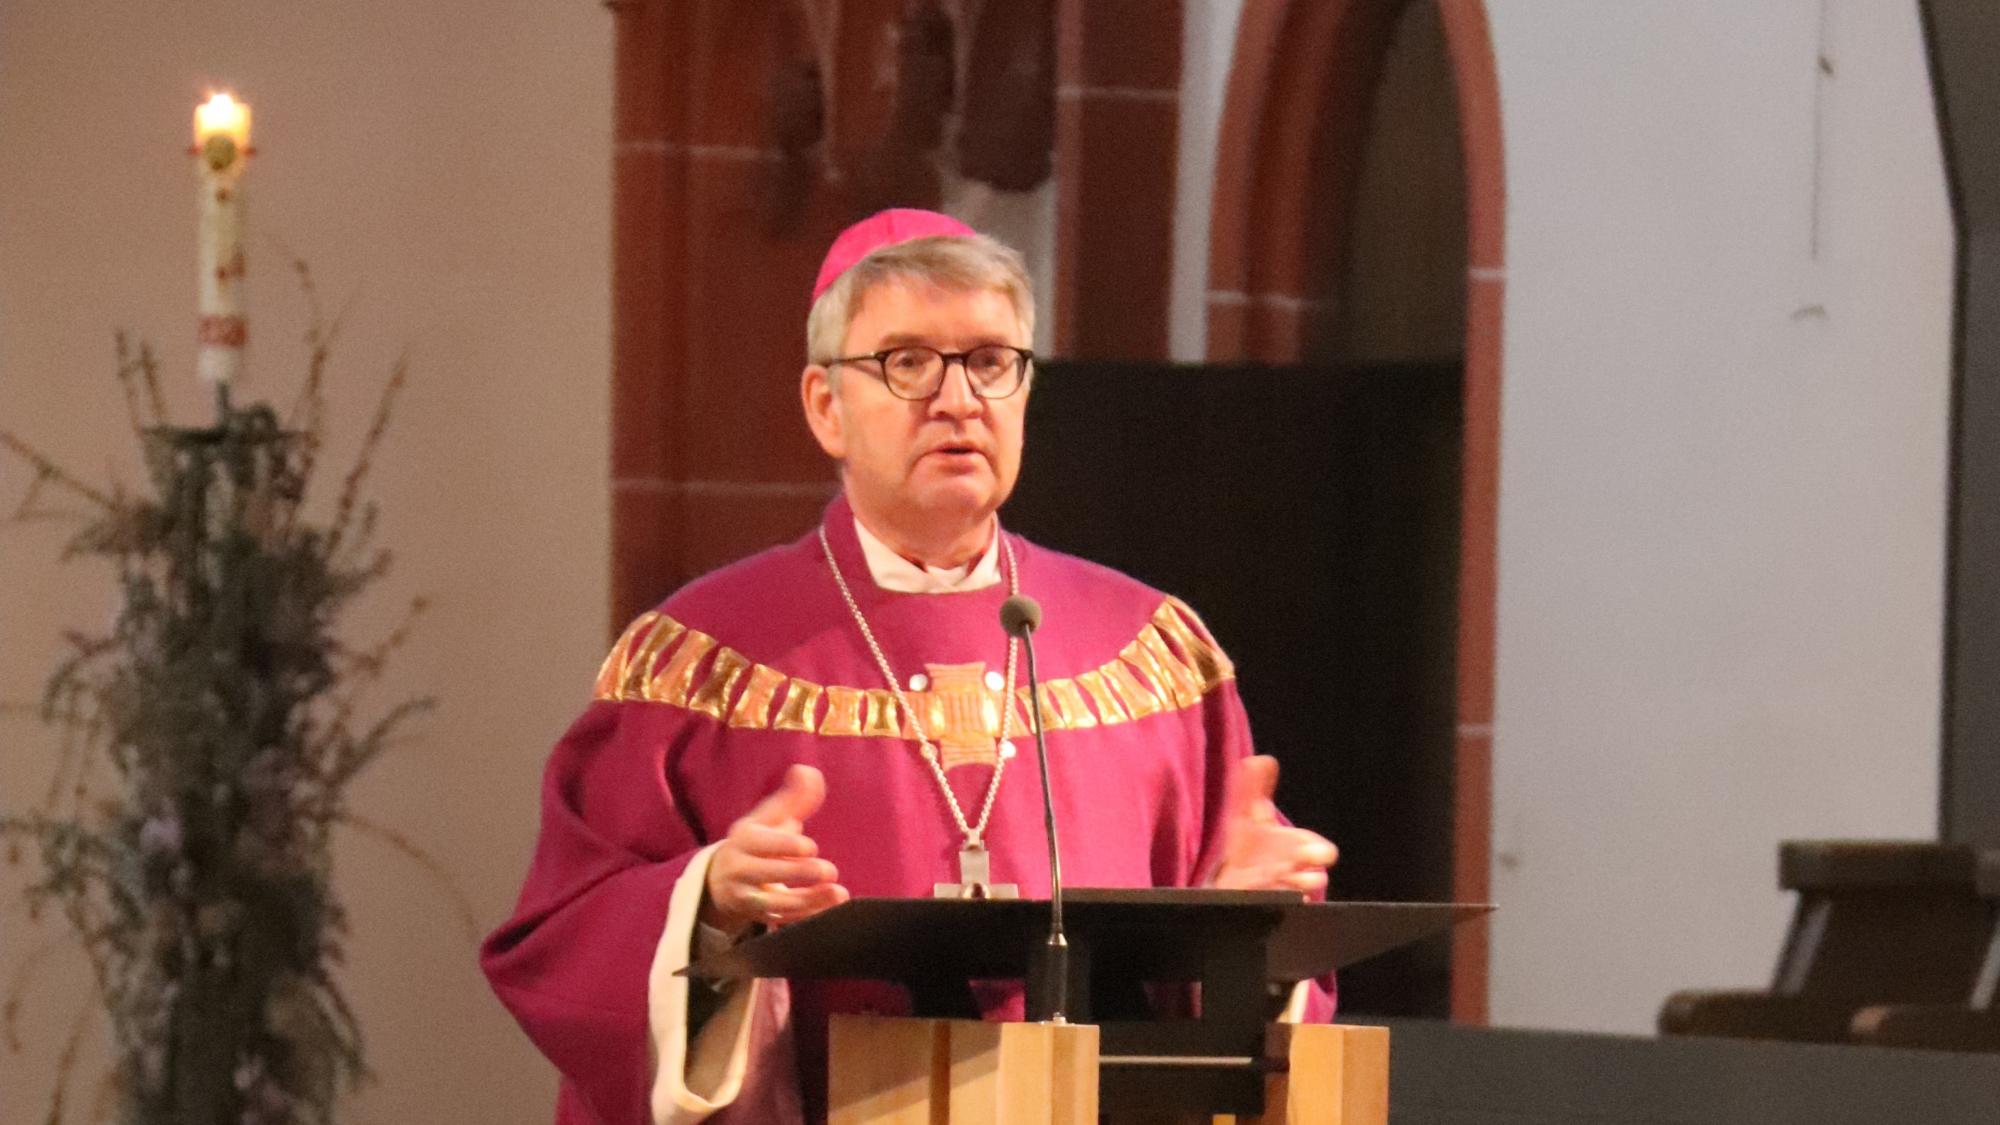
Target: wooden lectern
888	1071
1119	1055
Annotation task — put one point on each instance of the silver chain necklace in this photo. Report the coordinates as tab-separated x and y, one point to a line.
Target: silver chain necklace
973	865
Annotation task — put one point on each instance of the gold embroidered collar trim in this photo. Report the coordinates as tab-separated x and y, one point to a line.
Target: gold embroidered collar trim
1168	666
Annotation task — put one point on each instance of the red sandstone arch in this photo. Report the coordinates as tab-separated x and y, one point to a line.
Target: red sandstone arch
1285	178
709	277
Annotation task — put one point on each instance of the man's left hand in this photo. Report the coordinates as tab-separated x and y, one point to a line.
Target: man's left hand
1260	851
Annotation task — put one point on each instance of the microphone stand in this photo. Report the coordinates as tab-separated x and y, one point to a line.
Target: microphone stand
1023	626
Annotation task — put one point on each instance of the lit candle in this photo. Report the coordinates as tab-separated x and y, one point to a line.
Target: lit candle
222	151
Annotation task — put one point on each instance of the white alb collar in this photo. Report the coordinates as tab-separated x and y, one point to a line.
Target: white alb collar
899	575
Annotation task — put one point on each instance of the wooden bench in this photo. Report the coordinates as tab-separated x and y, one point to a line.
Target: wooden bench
1971	1026
1899	930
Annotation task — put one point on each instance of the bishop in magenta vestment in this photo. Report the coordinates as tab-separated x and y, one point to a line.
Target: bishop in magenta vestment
704	704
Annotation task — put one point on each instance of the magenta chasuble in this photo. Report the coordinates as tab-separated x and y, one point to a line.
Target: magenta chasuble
704	702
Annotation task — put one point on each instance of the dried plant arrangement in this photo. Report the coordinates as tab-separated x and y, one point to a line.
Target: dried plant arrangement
204	749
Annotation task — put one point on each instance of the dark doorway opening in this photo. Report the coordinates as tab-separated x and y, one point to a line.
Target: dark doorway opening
1311	515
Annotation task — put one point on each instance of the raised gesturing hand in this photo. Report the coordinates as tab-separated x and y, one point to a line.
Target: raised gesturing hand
1260	851
767	869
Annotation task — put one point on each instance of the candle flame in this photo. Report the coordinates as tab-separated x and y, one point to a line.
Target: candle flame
222	115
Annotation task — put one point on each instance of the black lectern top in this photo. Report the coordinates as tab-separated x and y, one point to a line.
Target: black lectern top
1153	934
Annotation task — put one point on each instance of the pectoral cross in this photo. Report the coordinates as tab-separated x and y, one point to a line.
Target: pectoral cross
975	877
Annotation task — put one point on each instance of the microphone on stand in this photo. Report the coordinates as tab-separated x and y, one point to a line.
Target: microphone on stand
1020	616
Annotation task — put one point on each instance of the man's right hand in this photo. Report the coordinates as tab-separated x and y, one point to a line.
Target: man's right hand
767	869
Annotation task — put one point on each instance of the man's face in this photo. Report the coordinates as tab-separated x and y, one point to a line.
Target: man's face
931	465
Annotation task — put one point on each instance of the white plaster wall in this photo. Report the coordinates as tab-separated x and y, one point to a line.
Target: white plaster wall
1208	47
1722	484
447	165
1726	367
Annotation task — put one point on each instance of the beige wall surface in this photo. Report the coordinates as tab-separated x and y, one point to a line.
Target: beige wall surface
445	166
1723	448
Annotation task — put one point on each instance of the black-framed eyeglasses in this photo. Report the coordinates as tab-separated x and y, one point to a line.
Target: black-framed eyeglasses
916	372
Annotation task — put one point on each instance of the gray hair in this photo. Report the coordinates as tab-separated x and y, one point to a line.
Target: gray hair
960	262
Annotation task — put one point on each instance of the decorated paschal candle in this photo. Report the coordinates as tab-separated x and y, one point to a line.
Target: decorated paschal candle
222	152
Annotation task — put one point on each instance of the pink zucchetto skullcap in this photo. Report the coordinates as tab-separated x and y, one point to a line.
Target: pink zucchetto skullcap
883	228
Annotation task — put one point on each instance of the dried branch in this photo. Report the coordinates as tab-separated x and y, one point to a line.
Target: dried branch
18	982
468	918
370	664
66	1060
350	489
139	377
307	409
351	759
48	472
